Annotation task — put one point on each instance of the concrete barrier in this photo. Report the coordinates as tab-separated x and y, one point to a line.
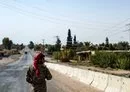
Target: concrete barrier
114	84
100	81
90	77
63	69
57	67
83	75
70	71
60	68
104	82
125	85
95	82
76	74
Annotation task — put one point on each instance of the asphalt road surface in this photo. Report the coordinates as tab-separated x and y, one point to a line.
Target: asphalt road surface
12	79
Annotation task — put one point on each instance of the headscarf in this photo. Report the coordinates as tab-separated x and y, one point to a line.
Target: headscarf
36	62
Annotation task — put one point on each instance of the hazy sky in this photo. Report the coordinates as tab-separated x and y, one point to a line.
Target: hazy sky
90	20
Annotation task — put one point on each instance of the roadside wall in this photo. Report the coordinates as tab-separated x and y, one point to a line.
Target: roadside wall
104	82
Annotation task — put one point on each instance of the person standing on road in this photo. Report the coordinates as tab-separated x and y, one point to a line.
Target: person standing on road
38	73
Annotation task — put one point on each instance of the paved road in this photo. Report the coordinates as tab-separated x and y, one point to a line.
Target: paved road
12	79
12	76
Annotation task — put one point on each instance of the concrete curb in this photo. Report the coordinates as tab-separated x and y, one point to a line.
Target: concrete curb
104	82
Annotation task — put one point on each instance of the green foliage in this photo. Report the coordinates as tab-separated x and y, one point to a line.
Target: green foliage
37	47
123	45
104	59
57	55
65	60
7	43
71	54
113	60
65	55
18	46
51	48
75	42
60	56
107	42
31	45
87	44
58	44
69	39
123	60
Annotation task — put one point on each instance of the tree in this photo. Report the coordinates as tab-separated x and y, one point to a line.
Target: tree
101	46
115	46
80	44
107	42
10	44
51	48
31	45
7	43
21	46
123	45
75	42
111	47
37	47
69	39
92	47
58	44
87	44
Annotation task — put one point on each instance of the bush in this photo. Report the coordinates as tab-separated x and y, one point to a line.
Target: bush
65	60
123	60
71	54
57	55
111	59
104	59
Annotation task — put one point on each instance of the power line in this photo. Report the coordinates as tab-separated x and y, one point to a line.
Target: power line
128	31
122	31
25	12
117	29
116	33
117	24
65	18
50	19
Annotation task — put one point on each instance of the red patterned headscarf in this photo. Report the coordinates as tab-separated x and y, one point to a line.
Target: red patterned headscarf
38	57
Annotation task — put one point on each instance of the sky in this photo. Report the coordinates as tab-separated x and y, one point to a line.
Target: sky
90	20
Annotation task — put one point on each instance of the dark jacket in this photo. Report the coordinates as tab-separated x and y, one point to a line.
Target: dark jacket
39	83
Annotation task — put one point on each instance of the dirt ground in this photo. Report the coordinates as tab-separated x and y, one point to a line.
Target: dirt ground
10	59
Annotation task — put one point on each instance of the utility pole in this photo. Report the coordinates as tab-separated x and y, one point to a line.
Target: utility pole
42	46
43	40
128	31
57	37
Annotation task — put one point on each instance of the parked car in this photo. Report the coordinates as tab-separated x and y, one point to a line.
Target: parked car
26	52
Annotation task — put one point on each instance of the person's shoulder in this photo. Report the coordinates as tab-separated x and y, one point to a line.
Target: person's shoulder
44	66
31	67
